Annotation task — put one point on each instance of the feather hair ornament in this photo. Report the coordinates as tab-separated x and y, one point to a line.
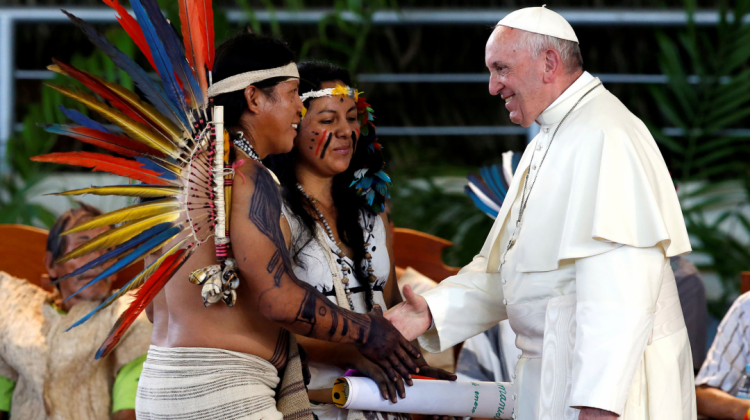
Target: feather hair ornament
169	137
489	188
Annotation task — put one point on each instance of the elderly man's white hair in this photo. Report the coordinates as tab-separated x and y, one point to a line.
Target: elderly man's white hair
570	52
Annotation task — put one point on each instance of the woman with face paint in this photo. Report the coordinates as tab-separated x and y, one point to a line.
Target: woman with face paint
334	189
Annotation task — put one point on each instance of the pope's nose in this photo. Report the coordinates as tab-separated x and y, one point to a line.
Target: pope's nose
495	86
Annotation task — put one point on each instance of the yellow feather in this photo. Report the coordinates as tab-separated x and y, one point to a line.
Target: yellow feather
135	130
56	69
175	134
138	211
117	236
127	191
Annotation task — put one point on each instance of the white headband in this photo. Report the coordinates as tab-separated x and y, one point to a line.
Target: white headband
338	90
241	81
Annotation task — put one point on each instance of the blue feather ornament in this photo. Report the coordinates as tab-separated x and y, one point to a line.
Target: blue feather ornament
131	257
79	118
130	244
163	172
175	52
154	93
159	54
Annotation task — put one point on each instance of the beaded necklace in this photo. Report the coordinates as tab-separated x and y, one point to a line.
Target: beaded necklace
245	146
346	270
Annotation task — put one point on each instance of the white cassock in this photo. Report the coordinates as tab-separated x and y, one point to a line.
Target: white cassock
587	287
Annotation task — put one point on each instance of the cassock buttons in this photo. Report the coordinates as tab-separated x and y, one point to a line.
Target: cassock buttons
533	166
514	376
505	301
538	147
514	397
545	129
505	281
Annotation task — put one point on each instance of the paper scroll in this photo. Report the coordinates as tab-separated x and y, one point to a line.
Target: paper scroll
445	398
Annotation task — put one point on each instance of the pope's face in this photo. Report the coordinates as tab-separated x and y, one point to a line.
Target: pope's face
516	75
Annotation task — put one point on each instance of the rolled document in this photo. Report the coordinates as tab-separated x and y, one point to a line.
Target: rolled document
446	398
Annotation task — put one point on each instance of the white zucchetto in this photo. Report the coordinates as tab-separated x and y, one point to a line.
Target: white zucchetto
540	20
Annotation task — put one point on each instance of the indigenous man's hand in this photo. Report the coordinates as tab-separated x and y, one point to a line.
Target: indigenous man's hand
588	413
411	317
387	348
389	390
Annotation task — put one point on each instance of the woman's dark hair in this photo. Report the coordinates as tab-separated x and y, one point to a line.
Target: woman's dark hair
243	53
348	204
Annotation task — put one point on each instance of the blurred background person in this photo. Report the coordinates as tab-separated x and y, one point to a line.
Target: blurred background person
723	372
46	372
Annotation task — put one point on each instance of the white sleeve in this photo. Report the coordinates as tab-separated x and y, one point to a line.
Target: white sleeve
616	299
463	306
728	356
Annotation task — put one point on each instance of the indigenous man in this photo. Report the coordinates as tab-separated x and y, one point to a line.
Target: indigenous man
226	362
46	372
578	259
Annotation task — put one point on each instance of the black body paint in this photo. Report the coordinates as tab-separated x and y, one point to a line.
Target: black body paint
325	146
281	352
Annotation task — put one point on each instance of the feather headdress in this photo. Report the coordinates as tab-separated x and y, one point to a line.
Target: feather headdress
167	139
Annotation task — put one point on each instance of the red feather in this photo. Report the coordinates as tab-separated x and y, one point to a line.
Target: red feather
105	163
143	297
101	89
133	29
195	38
112	142
208	17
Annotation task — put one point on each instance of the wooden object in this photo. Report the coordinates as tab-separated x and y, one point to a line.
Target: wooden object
423	252
745	282
22	251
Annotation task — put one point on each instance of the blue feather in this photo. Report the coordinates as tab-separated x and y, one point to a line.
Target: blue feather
81	119
119	250
163	172
163	65
106	302
484	188
382	175
514	162
492	183
131	257
365	182
496	174
153	92
370	196
175	52
480	204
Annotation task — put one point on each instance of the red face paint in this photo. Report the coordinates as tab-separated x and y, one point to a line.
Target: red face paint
320	142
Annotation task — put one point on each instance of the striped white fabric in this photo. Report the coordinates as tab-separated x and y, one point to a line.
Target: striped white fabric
730	351
189	383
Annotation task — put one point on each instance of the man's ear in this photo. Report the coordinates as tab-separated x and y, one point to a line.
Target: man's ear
552	65
49	263
254	98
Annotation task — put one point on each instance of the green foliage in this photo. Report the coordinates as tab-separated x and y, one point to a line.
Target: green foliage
18	183
708	154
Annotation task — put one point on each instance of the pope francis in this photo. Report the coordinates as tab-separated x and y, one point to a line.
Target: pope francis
578	258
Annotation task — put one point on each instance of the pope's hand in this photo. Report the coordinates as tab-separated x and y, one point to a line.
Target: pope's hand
411	317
